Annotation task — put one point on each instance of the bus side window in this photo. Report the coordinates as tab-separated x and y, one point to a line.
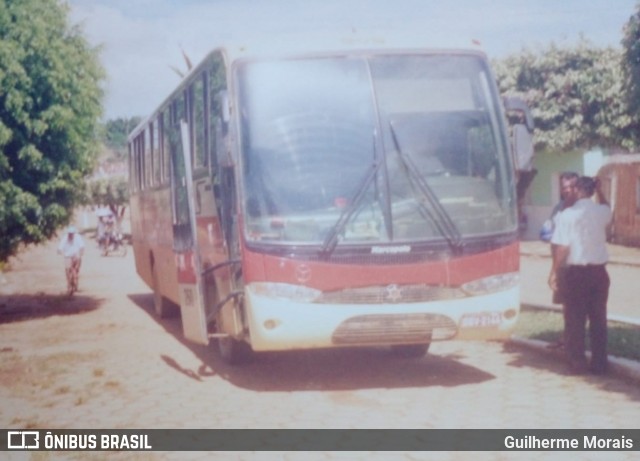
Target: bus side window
218	104
166	149
155	151
182	232
198	121
221	165
215	82
148	159
222	130
131	166
139	162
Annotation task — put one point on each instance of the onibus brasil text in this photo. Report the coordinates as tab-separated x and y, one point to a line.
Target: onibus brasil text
95	441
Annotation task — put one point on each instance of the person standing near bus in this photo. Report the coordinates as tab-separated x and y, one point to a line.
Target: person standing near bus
568	197
71	246
581	237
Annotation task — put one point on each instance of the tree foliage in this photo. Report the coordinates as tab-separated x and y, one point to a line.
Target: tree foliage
631	61
50	104
110	192
116	132
576	95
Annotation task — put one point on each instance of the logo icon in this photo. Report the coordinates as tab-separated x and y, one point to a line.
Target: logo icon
393	293
23	440
303	273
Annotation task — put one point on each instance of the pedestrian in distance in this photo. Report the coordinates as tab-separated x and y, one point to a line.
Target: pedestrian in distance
568	197
71	246
581	253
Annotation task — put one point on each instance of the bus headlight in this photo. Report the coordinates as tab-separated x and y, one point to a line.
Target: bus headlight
285	291
491	284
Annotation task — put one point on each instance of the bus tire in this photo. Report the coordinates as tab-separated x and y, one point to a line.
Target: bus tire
161	305
411	351
233	351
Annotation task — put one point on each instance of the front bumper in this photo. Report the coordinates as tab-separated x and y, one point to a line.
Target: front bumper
283	324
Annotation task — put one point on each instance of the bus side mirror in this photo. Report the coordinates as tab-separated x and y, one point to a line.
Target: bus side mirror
223	117
515	104
521	132
222	153
522	147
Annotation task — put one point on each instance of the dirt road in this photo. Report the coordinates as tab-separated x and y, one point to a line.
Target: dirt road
102	360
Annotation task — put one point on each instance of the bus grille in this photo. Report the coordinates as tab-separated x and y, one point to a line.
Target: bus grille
390	294
394	329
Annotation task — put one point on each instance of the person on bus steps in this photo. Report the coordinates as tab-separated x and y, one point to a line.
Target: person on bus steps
568	197
581	237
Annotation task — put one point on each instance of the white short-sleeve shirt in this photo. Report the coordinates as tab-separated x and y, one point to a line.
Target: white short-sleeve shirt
71	249
583	228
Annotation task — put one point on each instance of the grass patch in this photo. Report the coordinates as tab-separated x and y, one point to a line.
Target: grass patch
546	325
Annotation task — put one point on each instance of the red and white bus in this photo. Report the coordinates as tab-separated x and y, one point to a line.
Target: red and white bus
356	198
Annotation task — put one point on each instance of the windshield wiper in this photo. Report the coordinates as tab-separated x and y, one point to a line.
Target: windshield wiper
440	217
331	239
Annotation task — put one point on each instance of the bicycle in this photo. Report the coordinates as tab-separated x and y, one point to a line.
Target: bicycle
73	273
112	242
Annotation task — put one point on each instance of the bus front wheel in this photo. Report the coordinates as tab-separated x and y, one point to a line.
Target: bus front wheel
233	351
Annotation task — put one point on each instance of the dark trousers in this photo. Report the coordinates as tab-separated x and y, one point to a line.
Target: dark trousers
560	296
587	291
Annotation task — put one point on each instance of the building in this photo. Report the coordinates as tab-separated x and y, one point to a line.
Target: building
619	173
544	192
620	176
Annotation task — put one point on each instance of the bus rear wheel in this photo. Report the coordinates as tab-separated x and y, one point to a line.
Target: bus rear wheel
411	351
161	305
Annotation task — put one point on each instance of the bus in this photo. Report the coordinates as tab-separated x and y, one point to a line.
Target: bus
358	198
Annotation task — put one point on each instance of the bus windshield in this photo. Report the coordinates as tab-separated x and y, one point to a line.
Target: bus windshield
345	148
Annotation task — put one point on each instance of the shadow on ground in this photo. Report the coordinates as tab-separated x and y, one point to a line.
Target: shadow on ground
22	307
553	360
321	369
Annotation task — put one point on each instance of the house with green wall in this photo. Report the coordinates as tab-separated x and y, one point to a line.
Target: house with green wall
544	192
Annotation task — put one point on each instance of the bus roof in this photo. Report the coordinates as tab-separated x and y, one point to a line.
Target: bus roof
295	44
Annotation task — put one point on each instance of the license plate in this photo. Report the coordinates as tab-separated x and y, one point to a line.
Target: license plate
481	320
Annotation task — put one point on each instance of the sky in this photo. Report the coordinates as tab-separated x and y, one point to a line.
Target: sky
141	40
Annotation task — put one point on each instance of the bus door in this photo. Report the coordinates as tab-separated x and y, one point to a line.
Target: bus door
185	244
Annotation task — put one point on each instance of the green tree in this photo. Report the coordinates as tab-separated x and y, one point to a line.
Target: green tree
110	192
631	62
50	105
575	94
116	132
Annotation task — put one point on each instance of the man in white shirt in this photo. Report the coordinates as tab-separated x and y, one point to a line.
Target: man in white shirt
581	252
71	246
568	197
